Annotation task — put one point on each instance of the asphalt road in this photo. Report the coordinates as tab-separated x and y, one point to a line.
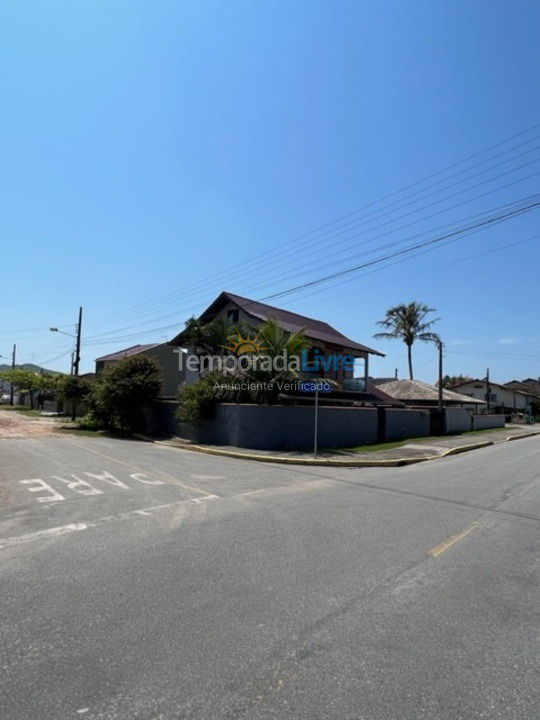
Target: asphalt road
141	582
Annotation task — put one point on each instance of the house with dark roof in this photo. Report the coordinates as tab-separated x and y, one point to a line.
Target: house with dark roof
324	338
166	356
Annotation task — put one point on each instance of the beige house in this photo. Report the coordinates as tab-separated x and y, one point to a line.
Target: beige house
166	356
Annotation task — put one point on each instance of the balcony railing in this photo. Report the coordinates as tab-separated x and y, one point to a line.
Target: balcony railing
354	384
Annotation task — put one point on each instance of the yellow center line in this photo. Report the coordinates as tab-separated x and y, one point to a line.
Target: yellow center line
446	544
160	476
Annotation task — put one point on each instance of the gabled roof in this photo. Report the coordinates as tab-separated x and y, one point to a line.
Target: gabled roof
289	321
529	386
415	390
492	385
120	354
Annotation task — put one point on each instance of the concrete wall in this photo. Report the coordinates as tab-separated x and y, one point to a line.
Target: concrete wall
457	420
482	422
275	427
401	424
290	427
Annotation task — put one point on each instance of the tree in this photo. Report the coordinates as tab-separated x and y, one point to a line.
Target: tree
450	381
122	391
27	381
211	337
408	323
74	389
276	342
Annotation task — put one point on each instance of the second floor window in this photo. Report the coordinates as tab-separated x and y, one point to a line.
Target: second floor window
232	317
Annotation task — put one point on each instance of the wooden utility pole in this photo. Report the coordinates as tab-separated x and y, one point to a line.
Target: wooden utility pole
77	359
440	375
488	392
13	368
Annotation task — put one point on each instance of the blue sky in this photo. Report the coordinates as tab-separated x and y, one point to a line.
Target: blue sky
153	154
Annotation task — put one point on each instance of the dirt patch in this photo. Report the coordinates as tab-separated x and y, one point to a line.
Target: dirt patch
17	425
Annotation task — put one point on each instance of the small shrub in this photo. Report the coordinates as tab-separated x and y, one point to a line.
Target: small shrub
198	401
89	422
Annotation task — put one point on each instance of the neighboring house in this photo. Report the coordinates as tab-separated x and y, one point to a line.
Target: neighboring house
501	399
322	336
421	394
166	356
529	386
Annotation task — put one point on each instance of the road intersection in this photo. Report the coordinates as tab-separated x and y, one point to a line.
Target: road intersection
143	582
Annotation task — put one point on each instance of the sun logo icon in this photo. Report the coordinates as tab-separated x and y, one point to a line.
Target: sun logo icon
242	345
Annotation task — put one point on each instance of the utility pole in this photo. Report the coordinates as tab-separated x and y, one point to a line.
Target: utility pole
77	359
13	368
440	375
488	392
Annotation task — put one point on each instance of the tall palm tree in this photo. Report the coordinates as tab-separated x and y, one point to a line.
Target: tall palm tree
408	323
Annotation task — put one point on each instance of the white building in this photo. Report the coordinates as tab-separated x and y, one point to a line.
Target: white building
501	399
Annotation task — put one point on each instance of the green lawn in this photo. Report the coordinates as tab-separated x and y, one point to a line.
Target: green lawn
432	439
84	432
375	447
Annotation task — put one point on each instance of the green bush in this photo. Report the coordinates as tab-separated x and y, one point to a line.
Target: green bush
198	401
121	392
89	422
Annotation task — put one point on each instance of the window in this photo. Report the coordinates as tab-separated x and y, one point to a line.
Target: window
232	317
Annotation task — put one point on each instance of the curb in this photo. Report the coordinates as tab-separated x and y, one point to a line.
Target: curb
519	437
284	460
465	448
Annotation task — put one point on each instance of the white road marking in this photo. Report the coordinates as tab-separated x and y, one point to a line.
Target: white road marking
77	527
74	482
141	477
42	534
42	485
78	485
108	478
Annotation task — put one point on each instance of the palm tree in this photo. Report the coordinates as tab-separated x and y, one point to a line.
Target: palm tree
408	323
275	341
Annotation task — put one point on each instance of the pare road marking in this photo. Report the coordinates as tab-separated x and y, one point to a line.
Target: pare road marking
158	476
77	484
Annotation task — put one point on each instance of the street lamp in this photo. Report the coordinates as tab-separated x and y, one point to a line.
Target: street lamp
77	355
53	329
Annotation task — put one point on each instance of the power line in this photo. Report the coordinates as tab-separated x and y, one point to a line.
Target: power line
485	223
343	260
257	259
527	205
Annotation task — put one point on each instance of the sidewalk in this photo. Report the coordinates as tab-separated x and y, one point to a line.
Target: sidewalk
393	455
